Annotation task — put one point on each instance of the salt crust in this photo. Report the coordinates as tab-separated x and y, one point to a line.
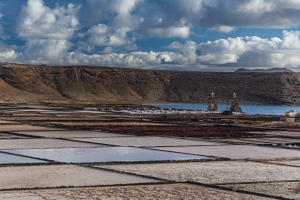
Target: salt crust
279	189
71	134
41	144
62	175
236	151
149	141
171	191
287	162
104	154
215	172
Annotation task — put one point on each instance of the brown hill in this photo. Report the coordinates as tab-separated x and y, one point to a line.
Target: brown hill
32	84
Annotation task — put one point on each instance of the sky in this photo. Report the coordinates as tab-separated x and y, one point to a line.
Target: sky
186	35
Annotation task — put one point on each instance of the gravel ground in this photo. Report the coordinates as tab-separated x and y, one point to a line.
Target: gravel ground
62	175
215	172
289	190
173	191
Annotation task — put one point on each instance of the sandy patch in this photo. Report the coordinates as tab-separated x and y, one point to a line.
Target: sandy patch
71	134
41	144
289	190
213	172
172	191
236	151
149	141
62	175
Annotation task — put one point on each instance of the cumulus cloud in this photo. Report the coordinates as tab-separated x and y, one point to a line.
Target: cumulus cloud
225	16
111	22
252	51
47	32
116	23
3	34
103	35
101	32
36	20
8	53
44	51
212	55
171	32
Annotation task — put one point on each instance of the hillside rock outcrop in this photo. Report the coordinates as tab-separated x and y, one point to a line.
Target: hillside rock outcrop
32	84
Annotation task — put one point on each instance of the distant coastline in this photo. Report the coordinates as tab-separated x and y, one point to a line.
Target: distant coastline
264	70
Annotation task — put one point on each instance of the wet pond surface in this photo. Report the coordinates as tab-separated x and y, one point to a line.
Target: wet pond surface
13	159
104	154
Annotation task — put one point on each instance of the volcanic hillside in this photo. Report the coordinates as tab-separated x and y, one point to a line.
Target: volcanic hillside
33	84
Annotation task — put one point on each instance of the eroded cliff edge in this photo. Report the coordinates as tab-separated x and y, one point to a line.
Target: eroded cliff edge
33	84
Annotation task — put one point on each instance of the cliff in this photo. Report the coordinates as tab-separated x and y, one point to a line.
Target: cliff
33	84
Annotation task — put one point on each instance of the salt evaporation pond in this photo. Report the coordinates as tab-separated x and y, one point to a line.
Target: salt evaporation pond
247	109
105	154
14	159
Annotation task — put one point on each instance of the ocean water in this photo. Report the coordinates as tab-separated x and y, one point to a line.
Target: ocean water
247	109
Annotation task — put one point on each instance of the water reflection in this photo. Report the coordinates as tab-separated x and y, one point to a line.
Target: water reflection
13	159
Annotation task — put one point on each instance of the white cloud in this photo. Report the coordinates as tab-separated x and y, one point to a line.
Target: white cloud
47	32
121	22
251	51
291	40
8	53
116	25
225	16
2	35
211	55
37	21
181	32
257	6
46	50
223	29
103	35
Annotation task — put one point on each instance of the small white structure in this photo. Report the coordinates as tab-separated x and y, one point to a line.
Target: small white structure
290	116
291	113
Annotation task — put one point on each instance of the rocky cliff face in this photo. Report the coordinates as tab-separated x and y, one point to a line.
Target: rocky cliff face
24	83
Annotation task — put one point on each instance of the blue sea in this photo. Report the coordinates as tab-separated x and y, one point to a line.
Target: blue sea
247	109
